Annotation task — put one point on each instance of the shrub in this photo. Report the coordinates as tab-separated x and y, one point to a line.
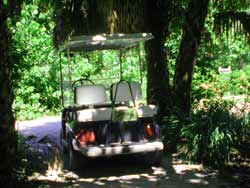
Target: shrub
235	83
24	166
213	136
215	131
170	130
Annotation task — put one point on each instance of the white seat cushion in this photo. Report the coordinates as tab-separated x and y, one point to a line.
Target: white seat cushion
99	114
123	91
104	114
90	95
146	111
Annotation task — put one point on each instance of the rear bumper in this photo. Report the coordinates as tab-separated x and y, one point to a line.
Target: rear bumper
100	151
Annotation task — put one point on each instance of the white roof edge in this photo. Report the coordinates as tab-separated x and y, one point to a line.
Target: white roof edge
104	41
114	36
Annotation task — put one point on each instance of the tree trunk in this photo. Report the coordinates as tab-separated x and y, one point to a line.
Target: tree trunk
156	22
192	30
7	133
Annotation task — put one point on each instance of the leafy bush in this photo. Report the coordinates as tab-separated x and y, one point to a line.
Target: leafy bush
214	133
35	73
24	166
170	132
236	82
214	52
213	136
170	129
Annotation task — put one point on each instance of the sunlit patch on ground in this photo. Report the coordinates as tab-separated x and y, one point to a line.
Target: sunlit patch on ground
113	174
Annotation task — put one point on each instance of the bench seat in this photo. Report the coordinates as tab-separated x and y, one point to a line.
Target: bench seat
98	114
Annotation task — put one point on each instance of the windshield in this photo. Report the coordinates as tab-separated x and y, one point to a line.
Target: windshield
102	67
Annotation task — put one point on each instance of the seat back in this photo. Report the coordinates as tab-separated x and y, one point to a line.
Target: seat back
121	92
90	95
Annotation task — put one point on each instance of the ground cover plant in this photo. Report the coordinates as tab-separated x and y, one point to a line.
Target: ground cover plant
216	134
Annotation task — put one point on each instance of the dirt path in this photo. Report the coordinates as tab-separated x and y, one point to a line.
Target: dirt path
36	130
122	172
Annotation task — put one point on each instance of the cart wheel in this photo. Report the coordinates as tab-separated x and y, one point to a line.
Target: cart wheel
62	146
73	160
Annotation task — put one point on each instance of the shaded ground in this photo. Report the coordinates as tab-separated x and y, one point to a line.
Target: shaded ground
121	172
124	173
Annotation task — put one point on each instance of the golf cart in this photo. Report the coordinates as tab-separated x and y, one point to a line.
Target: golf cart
92	125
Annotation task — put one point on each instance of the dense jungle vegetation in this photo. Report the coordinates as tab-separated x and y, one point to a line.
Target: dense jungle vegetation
207	122
36	76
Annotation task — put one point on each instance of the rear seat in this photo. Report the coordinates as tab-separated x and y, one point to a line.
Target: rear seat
91	95
123	94
146	111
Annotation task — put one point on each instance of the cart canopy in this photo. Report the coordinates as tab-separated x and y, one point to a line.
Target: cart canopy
104	42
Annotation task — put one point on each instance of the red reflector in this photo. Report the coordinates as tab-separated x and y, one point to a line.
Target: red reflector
149	130
86	137
90	136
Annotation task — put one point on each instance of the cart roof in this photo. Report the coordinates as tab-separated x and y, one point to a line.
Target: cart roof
104	41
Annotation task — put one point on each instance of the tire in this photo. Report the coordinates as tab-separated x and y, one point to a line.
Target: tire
62	146
153	158
73	160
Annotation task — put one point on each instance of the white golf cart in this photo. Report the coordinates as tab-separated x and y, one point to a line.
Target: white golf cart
93	126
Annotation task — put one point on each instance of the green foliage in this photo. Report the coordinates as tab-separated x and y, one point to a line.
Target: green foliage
210	136
233	5
170	130
124	115
24	166
235	83
35	73
207	83
102	67
214	133
172	45
214	52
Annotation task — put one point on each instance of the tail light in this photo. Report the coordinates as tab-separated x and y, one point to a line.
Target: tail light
90	136
151	130
86	137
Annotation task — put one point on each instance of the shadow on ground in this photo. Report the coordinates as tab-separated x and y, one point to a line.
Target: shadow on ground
120	172
126	172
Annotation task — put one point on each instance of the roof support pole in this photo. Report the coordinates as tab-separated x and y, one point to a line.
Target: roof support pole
61	80
120	62
140	62
69	68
